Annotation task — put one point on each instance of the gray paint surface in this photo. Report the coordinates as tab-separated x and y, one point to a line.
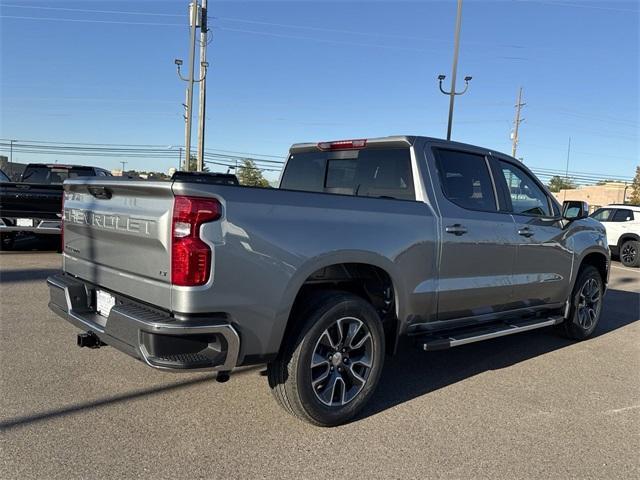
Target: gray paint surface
269	241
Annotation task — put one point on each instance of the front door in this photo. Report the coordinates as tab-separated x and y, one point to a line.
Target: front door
477	246
542	271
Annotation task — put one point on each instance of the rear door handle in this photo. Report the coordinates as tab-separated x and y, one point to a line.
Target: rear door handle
456	229
525	232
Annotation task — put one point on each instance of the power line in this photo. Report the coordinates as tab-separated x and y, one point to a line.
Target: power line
77	20
141	145
87	10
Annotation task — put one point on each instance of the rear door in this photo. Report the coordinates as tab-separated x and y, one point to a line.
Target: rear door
118	234
477	248
542	271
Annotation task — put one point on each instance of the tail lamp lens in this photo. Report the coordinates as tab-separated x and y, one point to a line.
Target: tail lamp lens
190	256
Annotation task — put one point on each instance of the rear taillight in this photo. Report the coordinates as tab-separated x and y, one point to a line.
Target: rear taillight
190	256
343	145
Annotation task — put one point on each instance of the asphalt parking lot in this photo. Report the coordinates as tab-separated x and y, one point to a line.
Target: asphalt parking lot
528	406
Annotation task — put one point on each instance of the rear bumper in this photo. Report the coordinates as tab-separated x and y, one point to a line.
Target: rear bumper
152	336
51	227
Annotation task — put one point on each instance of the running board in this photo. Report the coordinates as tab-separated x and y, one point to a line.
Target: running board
462	336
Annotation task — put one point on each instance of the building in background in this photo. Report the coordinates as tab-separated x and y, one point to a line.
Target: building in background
597	195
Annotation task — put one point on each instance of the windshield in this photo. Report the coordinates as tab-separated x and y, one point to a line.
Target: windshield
54	175
3	177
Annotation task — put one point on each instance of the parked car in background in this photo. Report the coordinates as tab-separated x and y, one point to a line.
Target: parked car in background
34	205
364	241
622	223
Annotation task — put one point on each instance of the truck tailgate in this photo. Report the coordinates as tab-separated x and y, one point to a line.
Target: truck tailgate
117	233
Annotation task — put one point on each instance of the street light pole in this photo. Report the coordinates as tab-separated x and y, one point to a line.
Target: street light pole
454	72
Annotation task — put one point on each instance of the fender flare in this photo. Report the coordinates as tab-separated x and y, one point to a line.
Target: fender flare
333	258
628	236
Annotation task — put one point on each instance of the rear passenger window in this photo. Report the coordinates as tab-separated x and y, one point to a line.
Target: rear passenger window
465	180
381	173
622	215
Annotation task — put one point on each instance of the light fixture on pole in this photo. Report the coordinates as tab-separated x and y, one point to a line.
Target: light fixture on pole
454	71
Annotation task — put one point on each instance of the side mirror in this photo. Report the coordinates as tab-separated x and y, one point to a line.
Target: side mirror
575	209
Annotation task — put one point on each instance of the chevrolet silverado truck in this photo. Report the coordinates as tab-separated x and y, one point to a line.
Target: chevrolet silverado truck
364	242
34	205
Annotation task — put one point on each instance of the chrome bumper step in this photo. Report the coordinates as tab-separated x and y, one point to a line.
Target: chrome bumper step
462	336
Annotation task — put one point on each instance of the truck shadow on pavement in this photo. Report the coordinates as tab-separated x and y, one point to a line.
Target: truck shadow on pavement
72	409
413	373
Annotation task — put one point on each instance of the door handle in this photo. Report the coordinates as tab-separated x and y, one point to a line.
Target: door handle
525	232
456	229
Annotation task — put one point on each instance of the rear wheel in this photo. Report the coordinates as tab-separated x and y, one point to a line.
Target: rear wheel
327	373
630	253
586	304
7	240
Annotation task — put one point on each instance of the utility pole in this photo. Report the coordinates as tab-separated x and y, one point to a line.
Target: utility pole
454	71
194	23
516	124
11	157
193	20
204	30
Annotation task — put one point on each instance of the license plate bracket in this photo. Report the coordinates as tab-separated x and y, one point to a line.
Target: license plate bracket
104	303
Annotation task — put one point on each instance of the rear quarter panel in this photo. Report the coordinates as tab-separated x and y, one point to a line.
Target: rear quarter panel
269	241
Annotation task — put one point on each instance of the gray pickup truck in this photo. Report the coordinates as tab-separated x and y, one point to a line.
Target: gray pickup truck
363	242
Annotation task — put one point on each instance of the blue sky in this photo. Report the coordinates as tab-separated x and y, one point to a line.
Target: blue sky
284	72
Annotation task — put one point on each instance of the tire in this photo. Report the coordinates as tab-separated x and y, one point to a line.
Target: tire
7	241
630	253
343	335
586	305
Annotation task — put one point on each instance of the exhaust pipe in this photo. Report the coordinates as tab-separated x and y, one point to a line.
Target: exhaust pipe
89	340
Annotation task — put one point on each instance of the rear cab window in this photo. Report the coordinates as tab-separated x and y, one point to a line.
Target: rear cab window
369	172
54	175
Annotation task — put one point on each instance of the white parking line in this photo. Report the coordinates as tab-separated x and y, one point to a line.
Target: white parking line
626	268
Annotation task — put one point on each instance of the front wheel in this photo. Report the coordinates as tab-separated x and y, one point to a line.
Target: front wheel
586	305
328	372
630	253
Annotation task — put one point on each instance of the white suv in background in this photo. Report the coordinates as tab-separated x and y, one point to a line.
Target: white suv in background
623	231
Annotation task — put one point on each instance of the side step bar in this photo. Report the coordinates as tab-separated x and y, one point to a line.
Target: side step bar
462	336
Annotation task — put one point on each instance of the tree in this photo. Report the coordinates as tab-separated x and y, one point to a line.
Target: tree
250	175
635	187
193	165
558	183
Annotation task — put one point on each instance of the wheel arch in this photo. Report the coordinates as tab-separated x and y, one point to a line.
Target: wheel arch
628	236
344	271
600	261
